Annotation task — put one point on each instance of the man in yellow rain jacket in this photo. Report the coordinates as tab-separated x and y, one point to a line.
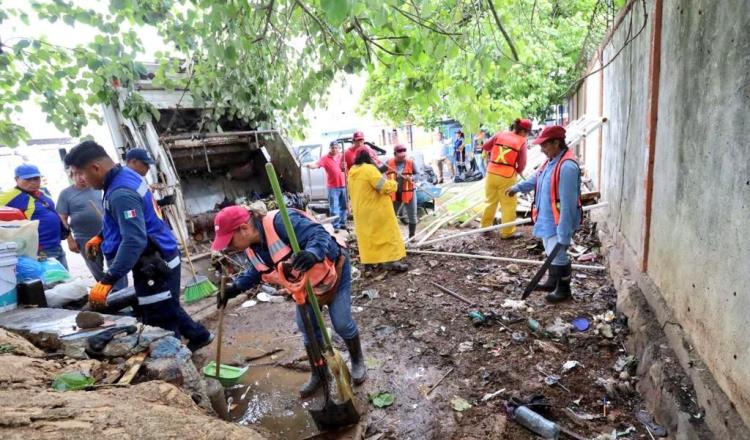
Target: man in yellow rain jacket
378	236
507	160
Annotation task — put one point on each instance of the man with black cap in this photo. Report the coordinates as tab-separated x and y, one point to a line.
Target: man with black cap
557	207
135	238
34	201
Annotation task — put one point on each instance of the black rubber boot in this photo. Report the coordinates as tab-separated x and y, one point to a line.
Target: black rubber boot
314	382
562	293
412	229
359	370
550	284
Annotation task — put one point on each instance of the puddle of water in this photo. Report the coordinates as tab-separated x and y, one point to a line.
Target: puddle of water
268	397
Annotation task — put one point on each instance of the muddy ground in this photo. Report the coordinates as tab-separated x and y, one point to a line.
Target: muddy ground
414	335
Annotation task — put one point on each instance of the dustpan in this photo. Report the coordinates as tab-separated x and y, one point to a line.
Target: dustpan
228	375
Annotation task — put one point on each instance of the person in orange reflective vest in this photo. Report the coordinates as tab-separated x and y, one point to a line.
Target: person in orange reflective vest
263	238
507	151
401	169
557	206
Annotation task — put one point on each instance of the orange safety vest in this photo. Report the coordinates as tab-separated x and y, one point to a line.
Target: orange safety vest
554	186
407	189
505	153
322	276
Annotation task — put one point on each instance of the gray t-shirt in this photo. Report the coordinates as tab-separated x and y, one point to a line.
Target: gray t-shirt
76	203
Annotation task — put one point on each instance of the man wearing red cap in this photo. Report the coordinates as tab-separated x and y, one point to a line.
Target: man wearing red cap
557	206
507	151
358	145
264	239
402	171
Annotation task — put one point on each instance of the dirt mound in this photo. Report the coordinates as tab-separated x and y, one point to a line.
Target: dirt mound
13	343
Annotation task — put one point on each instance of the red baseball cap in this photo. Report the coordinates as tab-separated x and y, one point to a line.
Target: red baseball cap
551	132
524	124
226	222
358	136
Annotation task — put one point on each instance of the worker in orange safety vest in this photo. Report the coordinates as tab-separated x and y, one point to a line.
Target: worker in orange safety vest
507	151
401	169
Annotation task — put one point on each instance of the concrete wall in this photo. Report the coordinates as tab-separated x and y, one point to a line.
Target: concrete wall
699	242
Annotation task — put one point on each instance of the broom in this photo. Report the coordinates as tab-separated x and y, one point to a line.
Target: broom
199	286
333	359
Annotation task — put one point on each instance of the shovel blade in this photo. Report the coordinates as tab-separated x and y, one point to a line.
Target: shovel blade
335	415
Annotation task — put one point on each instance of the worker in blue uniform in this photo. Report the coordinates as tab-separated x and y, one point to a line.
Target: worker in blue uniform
29	197
135	238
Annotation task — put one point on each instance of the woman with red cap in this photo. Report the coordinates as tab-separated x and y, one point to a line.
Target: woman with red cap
263	238
507	152
557	207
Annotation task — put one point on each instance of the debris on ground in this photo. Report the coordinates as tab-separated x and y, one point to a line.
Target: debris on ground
460	404
382	399
570	365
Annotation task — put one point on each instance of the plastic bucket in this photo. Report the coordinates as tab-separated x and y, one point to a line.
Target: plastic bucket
8	293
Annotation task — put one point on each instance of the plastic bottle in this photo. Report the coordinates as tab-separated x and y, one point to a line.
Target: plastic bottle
536	423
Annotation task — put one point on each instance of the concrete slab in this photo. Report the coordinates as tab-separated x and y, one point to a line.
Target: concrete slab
48	328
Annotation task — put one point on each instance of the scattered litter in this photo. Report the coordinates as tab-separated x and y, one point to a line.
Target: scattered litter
536	423
381	399
547	347
512	268
433	263
518	337
580	419
249	303
370	294
71	381
490	396
514	304
581	324
647	420
591	256
465	346
569	365
263	297
605	317
581	276
373	363
477	318
559	329
552	379
459	404
605	330
269	289
358	309
625	363
356	273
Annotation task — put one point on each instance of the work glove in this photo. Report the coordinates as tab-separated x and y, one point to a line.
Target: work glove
98	294
230	291
303	261
93	248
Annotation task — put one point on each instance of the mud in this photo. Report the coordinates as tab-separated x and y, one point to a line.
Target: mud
413	334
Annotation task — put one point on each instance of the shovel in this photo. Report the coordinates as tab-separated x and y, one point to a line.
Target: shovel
226	374
327	362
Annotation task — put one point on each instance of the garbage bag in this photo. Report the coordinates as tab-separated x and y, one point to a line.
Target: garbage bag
28	268
25	233
71	381
53	271
66	293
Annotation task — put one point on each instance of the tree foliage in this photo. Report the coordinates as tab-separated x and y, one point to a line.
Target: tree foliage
267	61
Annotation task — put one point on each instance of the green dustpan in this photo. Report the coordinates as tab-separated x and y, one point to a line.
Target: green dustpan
228	375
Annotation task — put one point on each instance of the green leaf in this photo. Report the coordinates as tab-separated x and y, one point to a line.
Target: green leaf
69	19
381	399
22	44
230	52
460	404
72	381
336	10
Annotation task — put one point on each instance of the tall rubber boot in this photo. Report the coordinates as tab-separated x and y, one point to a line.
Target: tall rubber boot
550	284
314	382
412	229
359	370
562	293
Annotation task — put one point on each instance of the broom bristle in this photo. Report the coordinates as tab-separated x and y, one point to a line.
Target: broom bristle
200	288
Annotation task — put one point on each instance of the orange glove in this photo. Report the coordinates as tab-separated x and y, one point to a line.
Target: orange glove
93	248
98	294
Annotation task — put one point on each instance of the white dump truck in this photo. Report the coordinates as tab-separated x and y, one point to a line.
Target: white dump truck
204	171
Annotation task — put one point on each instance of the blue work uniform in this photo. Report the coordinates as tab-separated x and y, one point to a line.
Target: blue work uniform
312	237
570	217
41	208
133	229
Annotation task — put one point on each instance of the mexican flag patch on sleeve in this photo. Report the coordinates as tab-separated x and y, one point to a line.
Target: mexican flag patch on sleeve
129	214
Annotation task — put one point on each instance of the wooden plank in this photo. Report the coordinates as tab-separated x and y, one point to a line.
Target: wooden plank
134	365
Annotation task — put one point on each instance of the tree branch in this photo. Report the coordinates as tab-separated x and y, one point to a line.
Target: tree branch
269	12
502	30
322	26
425	24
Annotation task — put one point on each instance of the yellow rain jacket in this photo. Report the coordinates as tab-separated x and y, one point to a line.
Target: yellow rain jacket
378	236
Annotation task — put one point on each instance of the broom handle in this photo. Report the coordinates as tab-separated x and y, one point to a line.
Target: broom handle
182	241
221	325
295	248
